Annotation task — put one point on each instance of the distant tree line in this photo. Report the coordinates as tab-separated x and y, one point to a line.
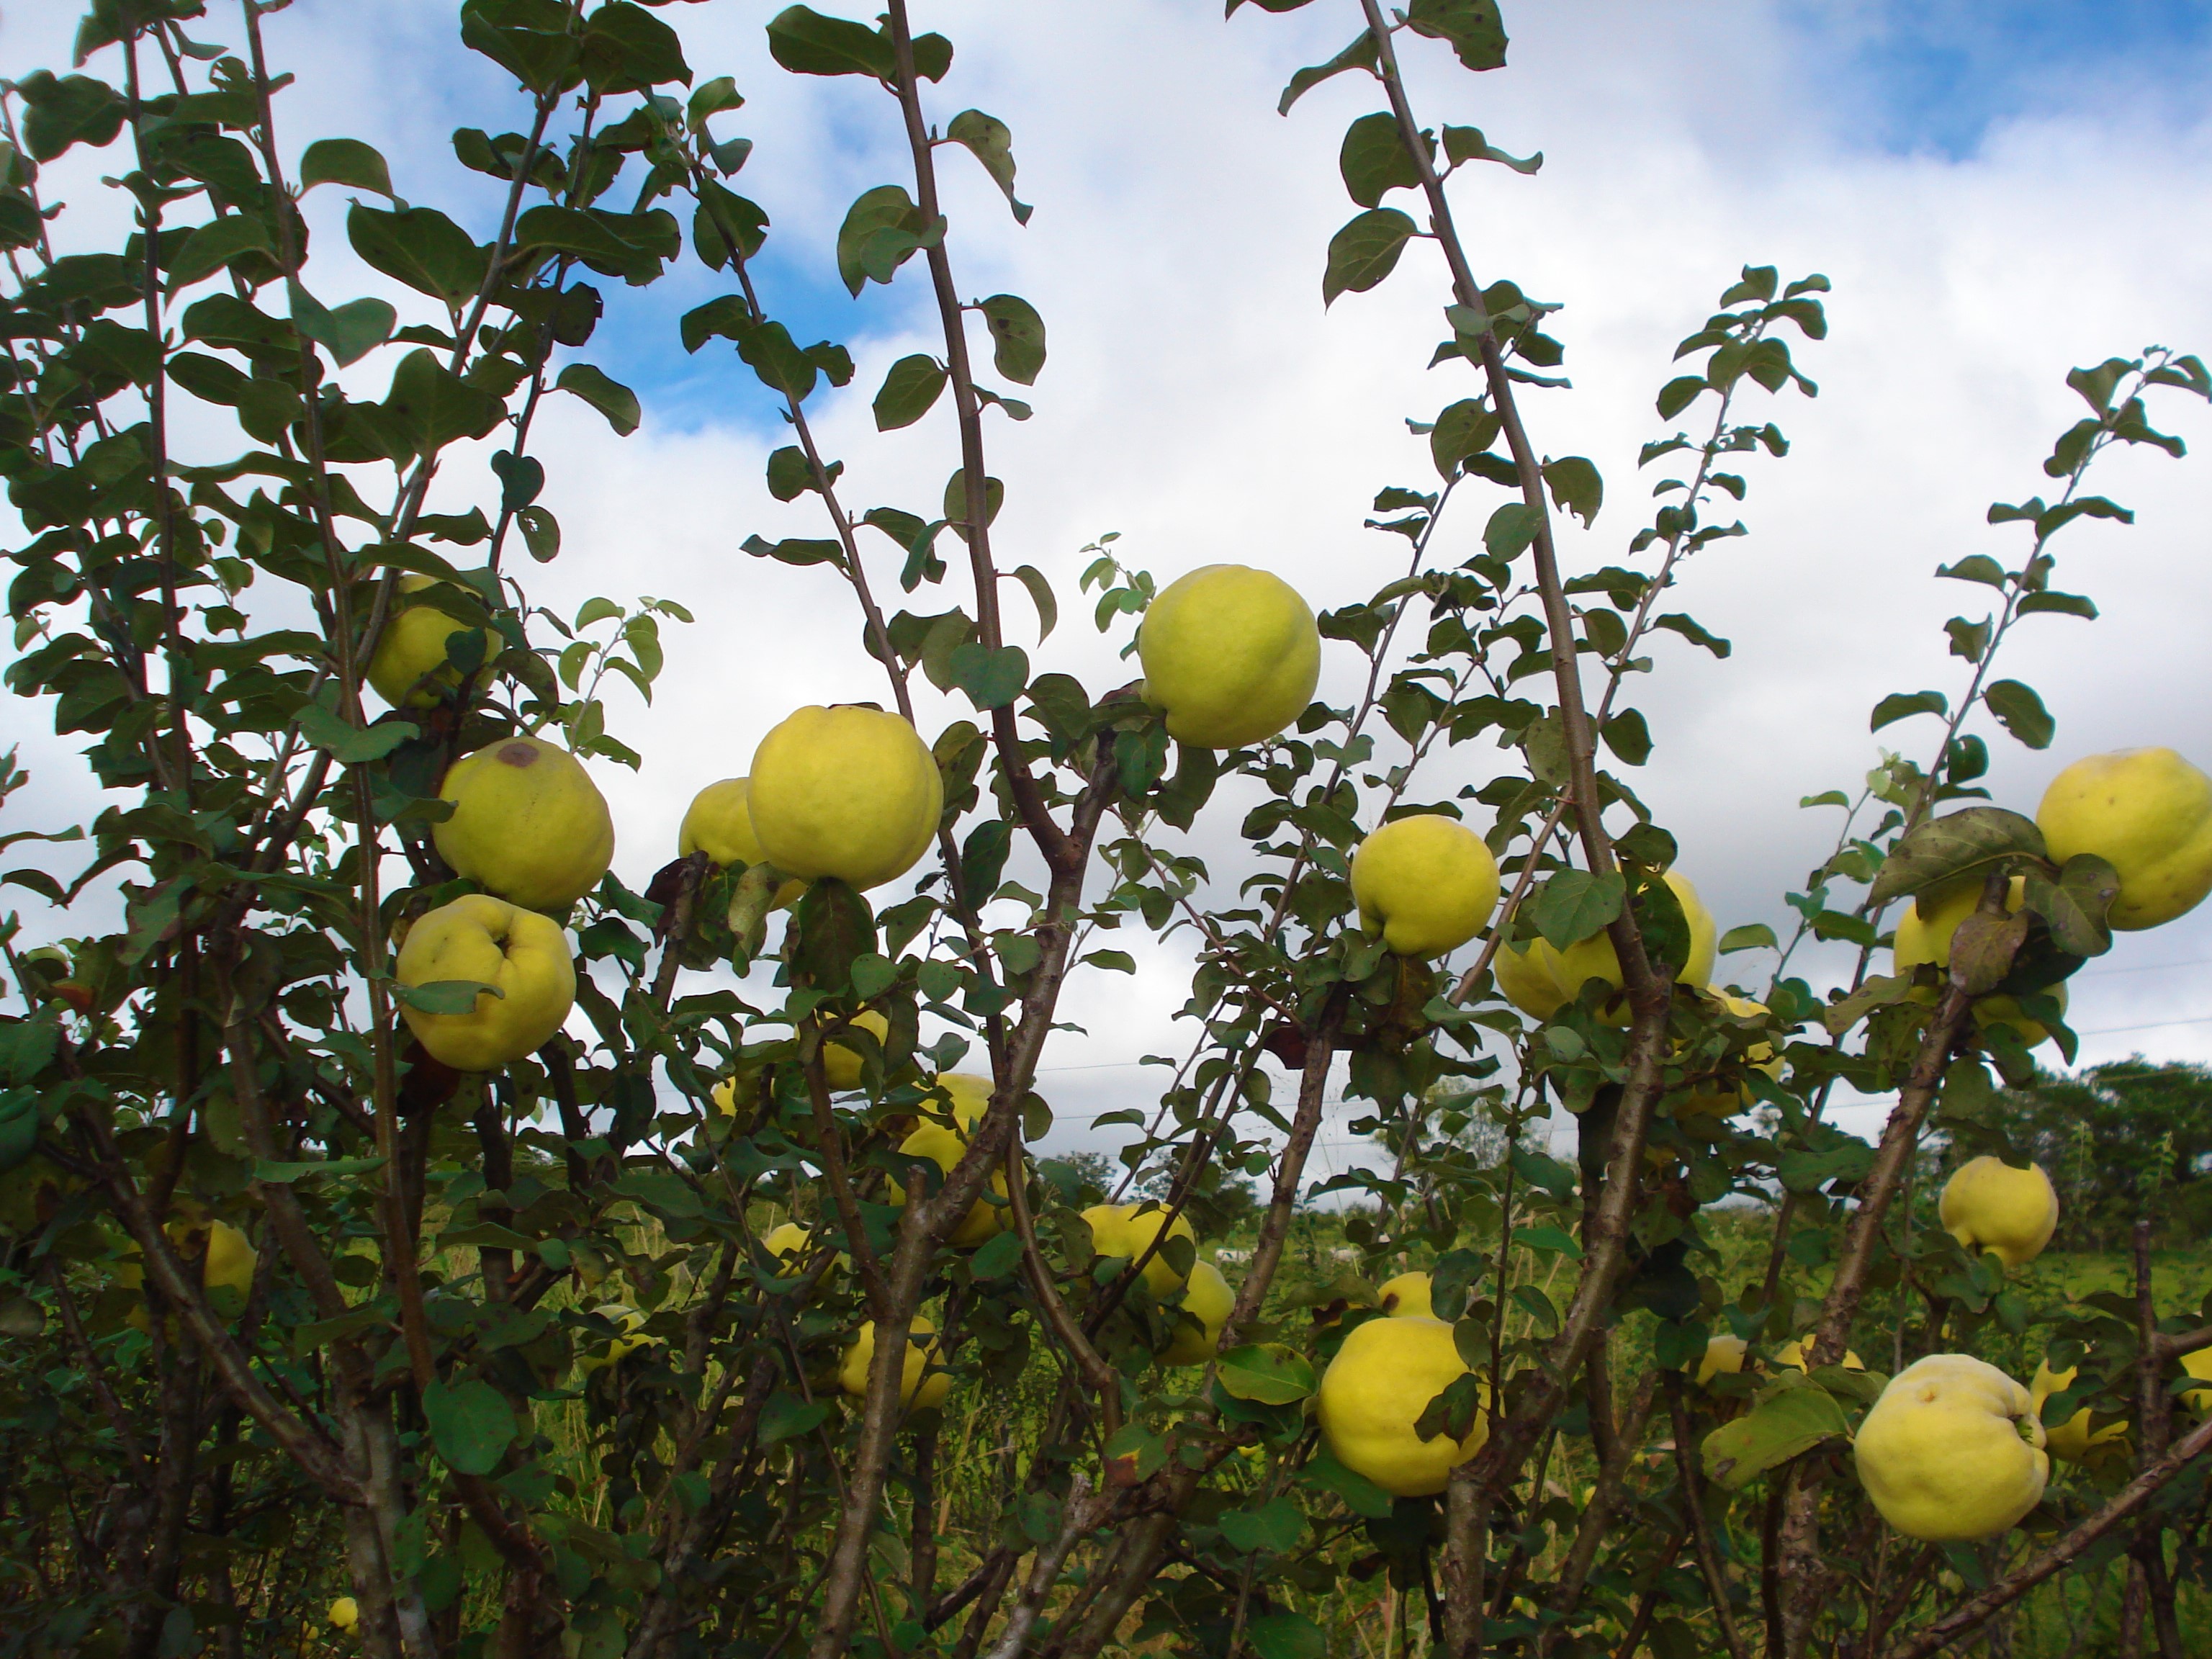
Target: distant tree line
2120	1140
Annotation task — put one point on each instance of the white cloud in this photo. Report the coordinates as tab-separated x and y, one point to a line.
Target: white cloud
1200	400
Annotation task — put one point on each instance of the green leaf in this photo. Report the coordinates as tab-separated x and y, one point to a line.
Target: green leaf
631	245
1017	337
1974	567
1576	487
2021	712
909	390
1962	844
530	41
785	1417
1137	1450
1360	1495
1275	1527
1511	528
1752	936
420	248
1364	251
1676	622
443	996
1572	905
991	678
541	533
1678	394
73	110
1286	1635
1463	429
1902	705
1476	32
2063	604
213	245
997	1258
1374	160
1266	1371
806	42
1792	1422
348	332
349	744
2075	905
1041	595
627	49
1468	144
987	138
470	1425
1804	1171
835	928
1628	736
775	358
429	406
793	550
882	225
345	161
1552	1240
610	398
275	1173
1360	54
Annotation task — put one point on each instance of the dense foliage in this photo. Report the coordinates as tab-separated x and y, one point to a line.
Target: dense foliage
511	1365
2123	1141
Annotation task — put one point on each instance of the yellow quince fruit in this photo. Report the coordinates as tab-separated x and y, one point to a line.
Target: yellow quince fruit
345	1613
720	824
1924	935
528	824
631	1322
1405	1297
971	1096
1791	1355
1373	1394
847	792
1539	980
2146	812
1426	882
1128	1229
1953	1451
840	1064
227	1271
945	1148
523	954
2072	1439
1230	654
409	668
2199	1364
915	1389
1716	1102
1207	1299
1988	1204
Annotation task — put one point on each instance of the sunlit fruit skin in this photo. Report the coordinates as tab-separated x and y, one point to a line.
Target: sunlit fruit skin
1207	1298
1373	1394
2198	1364
1539	980
227	1272
1230	654
492	942
1426	882
1952	1452
1988	1204
2071	1440
945	1148
1924	936
2146	812
528	824
1405	1297
971	1096
1128	1229
413	646
847	792
720	824
1723	1353
345	1613
915	1389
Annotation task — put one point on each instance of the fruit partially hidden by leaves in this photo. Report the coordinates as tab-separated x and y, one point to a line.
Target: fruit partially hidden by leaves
1230	654
1405	1297
1426	882
1924	936
840	1064
2072	1439
916	1388
1721	1103
1206	1300
2147	813
528	824
1988	1204
411	667
1128	1229
1953	1451
720	824
631	1322
2199	1364
228	1270
1539	979
1791	1356
1372	1397
971	1096
945	1148
345	1613
848	791
1723	1353
521	955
